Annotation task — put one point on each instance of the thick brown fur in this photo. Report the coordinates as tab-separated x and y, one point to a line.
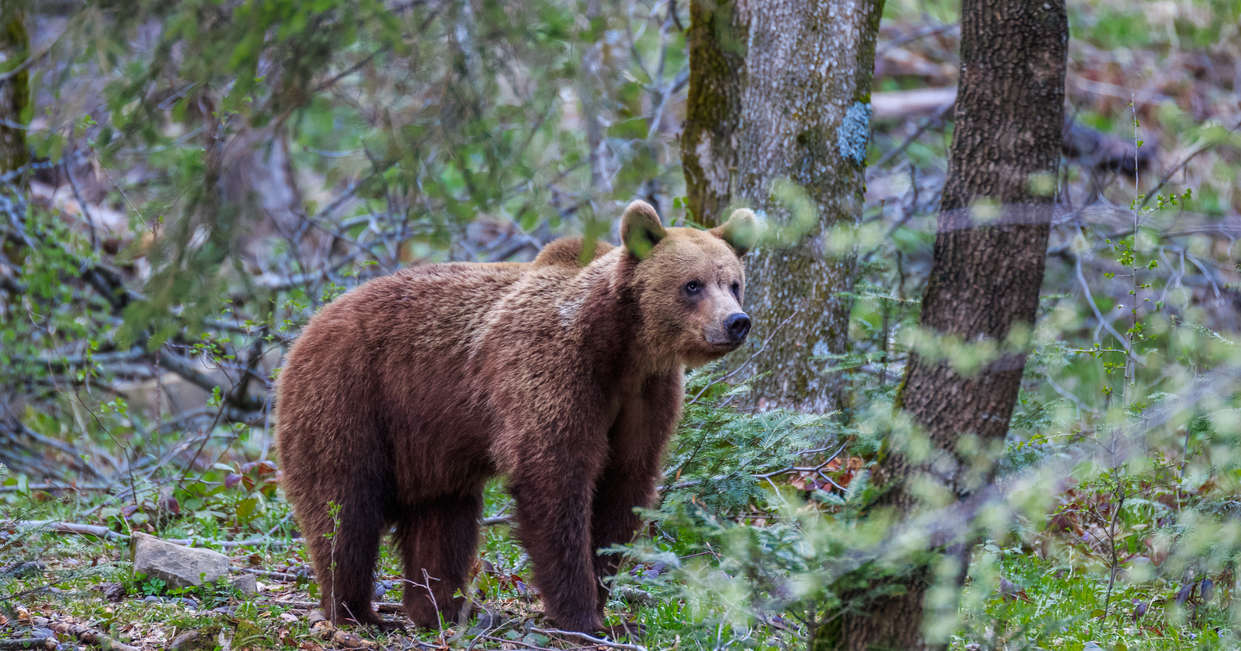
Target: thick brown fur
402	397
567	251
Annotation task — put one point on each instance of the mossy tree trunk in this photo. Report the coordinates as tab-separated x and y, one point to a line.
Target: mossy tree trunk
14	156
779	98
988	266
14	88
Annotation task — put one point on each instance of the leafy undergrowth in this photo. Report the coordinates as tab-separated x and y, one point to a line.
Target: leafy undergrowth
51	580
731	531
1037	603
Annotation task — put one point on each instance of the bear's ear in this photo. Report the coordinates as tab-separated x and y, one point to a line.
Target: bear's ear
740	231
640	228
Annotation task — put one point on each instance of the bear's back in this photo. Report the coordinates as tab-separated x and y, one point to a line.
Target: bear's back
567	252
430	309
387	366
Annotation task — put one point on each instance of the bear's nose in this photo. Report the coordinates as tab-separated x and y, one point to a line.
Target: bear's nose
738	326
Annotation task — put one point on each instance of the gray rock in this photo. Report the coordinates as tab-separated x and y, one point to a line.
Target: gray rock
187	602
112	591
382	588
186	641
634	595
179	566
246	584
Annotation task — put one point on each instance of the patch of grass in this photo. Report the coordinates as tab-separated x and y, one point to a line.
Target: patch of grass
1111	28
943	11
1035	602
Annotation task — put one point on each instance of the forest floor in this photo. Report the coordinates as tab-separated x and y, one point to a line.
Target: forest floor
66	583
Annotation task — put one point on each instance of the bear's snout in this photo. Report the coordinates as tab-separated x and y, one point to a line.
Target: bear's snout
738	326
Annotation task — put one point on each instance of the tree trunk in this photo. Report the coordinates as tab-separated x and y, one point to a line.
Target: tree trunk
988	266
780	91
14	91
14	156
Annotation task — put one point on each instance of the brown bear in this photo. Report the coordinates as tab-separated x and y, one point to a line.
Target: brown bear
403	396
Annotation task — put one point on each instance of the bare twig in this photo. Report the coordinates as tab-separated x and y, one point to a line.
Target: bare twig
936	119
817	469
1114	564
29	643
1180	166
67	165
57	488
1081	280
385	607
933	30
92	636
31	60
726	376
587	638
99	531
332	81
73	528
75	456
287	577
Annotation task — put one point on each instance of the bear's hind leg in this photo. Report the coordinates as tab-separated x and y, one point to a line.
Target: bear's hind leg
438	539
344	551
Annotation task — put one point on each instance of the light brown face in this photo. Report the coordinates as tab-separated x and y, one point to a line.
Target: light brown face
700	283
691	286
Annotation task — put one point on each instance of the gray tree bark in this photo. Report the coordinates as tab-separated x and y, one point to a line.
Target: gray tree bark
988	266
779	98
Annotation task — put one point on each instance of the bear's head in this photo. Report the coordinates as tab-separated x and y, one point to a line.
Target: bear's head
689	283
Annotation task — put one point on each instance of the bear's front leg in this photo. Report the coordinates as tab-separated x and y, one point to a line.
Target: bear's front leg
620	491
646	421
553	513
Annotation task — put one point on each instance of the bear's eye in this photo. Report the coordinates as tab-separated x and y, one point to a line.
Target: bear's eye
693	287
736	287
